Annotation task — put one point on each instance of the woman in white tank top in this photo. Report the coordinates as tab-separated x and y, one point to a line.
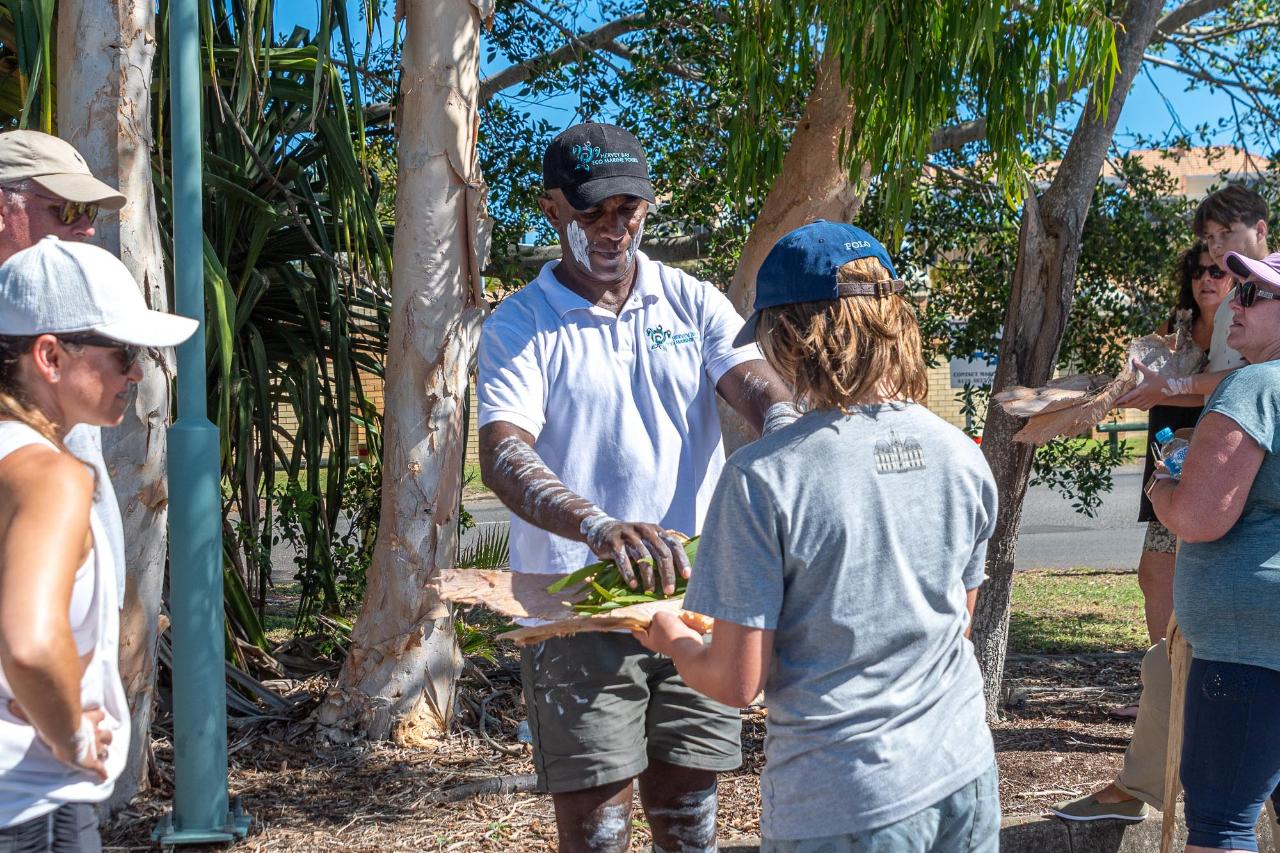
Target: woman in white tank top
72	324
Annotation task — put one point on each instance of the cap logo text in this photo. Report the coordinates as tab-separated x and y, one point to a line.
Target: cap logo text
587	156
857	244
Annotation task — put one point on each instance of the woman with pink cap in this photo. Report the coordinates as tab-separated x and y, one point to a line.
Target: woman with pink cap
72	323
1226	510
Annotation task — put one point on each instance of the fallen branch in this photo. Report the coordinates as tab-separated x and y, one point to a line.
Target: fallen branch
521	784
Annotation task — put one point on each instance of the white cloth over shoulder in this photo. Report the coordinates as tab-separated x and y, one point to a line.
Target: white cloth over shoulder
622	407
32	781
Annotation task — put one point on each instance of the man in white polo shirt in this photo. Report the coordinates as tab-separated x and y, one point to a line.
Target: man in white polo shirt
599	430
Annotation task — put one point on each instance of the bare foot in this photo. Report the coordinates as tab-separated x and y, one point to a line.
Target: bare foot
1112	794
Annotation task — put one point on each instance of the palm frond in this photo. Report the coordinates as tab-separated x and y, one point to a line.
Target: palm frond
491	548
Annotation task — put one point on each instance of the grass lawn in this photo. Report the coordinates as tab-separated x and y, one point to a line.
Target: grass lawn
1134	445
471	484
1060	611
282	605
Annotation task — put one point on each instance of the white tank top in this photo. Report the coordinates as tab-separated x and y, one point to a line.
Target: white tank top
32	781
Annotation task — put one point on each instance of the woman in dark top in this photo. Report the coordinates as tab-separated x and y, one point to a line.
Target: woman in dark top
1202	285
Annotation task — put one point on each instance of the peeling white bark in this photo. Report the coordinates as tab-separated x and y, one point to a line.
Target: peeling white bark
105	52
813	183
398	680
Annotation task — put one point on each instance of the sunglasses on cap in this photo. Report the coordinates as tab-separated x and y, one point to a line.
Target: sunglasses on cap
1215	272
1249	292
129	353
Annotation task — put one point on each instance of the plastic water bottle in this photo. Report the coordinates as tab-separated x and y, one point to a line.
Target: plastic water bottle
1172	451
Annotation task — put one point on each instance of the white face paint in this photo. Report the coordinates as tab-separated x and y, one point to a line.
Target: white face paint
579	245
635	245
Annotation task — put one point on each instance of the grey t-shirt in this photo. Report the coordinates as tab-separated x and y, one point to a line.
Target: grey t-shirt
1227	592
854	538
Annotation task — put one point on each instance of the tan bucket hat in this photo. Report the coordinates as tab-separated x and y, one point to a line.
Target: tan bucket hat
54	165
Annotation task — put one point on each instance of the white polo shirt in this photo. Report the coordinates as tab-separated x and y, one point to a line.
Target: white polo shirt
622	407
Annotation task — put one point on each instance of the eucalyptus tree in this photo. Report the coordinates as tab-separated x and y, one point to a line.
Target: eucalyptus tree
295	263
1039	306
1041	296
399	675
105	53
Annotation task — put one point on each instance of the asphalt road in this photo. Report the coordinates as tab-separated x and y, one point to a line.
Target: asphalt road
1053	535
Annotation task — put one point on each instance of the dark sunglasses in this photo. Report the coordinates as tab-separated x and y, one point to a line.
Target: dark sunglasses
129	353
1249	292
1215	272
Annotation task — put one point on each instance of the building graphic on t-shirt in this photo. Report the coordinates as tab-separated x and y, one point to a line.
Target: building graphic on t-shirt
896	455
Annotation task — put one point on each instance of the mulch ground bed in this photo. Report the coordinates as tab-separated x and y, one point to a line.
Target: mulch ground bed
1056	741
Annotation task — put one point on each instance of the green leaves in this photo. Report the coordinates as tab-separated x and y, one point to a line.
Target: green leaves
599	587
296	273
909	69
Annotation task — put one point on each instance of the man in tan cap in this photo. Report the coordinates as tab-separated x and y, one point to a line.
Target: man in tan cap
46	188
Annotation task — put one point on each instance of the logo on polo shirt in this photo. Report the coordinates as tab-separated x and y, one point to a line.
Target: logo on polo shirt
661	338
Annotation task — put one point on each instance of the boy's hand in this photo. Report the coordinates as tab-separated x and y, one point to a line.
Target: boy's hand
667	629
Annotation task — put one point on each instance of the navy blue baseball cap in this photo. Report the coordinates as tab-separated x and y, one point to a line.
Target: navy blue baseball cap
802	267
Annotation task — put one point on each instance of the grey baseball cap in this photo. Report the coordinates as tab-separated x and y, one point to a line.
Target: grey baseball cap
54	165
59	286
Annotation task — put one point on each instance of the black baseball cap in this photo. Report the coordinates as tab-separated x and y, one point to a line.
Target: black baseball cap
590	162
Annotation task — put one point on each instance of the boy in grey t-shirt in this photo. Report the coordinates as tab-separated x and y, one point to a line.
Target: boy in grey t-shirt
840	558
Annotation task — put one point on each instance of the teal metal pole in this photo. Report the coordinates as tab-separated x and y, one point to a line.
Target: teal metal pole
200	807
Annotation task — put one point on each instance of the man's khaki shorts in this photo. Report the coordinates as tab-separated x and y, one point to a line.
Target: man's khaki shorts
601	706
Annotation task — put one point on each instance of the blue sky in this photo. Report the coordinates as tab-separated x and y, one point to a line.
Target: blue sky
1146	112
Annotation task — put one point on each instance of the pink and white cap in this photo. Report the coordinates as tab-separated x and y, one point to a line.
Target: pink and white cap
1266	270
59	286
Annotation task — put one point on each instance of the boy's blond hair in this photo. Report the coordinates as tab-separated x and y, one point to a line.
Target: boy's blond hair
835	353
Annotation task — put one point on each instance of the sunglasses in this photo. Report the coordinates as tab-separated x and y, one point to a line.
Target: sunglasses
1249	292
70	211
129	353
1215	272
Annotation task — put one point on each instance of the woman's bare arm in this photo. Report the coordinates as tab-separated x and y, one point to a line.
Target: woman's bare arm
44	538
1216	479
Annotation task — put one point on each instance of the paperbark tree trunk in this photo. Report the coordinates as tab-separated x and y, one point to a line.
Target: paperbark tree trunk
813	183
398	679
1039	305
105	52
